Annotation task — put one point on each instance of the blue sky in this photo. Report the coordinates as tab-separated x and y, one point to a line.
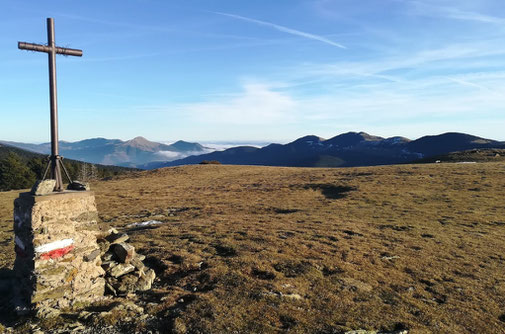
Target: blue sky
263	70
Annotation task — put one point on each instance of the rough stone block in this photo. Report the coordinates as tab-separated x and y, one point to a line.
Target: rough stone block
146	280
79	186
121	269
127	284
137	263
91	256
124	252
43	187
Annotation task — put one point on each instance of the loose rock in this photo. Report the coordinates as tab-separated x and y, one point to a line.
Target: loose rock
91	256
121	269
123	251
124	269
146	280
137	263
43	187
127	284
78	185
47	312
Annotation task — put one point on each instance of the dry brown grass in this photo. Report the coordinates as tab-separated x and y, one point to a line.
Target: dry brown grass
266	249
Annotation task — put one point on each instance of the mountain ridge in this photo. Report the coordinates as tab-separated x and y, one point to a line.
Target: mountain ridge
349	149
129	153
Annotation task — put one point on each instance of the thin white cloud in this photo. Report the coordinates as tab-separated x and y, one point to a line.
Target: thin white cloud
285	29
170	155
467	83
258	104
454	13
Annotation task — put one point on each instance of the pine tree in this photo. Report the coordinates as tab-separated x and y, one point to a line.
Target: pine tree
14	174
38	166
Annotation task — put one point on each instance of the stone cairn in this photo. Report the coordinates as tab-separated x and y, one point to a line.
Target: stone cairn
125	272
63	259
57	256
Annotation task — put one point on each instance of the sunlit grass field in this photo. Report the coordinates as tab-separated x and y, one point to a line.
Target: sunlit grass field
308	250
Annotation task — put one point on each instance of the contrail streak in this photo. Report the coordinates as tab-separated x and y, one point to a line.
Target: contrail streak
284	29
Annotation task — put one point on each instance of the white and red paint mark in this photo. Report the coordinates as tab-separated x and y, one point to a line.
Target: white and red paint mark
54	250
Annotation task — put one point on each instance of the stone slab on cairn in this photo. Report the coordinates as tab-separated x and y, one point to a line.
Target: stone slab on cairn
57	256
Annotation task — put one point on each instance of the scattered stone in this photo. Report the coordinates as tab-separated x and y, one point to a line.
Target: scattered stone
123	251
104	245
278	294
145	224
292	296
146	280
137	263
91	256
47	312
108	265
121	269
130	306
179	326
127	283
75	327
354	284
85	315
78	186
109	288
125	272
107	256
43	187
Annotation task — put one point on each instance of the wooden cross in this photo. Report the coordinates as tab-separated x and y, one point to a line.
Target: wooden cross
51	49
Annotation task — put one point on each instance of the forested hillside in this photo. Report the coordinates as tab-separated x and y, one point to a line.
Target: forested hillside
19	169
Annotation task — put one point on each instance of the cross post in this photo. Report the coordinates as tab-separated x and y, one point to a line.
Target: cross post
51	49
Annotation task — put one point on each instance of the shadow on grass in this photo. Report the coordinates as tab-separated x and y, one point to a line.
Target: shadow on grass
8	316
331	191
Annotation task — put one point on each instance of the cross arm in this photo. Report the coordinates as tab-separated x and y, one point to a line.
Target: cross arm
47	49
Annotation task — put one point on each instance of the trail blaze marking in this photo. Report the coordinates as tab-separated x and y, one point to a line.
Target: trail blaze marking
56	249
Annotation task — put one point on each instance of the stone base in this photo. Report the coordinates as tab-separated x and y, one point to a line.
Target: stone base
55	239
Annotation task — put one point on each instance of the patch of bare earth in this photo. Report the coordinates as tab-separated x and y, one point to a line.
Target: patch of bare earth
262	249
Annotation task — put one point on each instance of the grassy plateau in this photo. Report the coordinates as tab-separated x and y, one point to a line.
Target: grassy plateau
310	250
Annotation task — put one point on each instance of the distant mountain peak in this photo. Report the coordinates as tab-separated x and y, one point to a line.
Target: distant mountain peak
182	145
142	143
309	138
352	138
140	140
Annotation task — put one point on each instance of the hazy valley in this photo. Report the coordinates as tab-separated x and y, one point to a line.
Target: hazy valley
344	150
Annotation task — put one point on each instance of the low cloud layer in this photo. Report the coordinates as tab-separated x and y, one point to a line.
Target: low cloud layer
171	156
